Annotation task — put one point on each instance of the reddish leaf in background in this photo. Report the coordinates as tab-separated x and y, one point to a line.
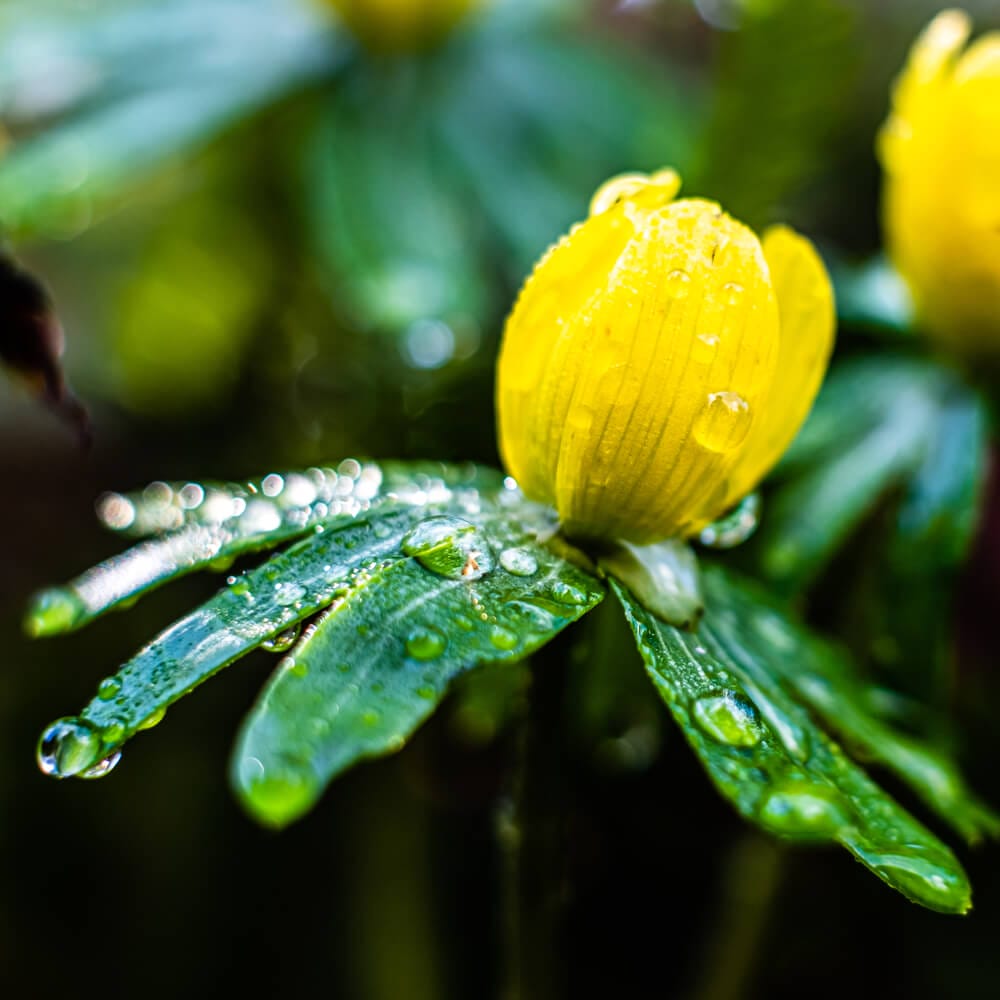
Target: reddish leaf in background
31	344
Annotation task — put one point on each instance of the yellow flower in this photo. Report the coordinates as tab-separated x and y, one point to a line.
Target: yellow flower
658	362
395	26
940	149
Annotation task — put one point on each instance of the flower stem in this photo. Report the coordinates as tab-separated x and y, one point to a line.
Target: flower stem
531	832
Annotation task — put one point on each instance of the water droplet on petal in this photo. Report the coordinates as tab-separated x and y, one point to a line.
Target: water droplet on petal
704	347
519	562
678	283
69	746
732	292
724	422
425	643
450	547
804	809
729	718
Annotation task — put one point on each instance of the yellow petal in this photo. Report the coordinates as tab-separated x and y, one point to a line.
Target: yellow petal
941	203
808	322
634	365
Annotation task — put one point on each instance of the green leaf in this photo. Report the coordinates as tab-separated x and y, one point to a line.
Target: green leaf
868	432
421	564
206	526
872	296
732	688
139	86
395	242
378	663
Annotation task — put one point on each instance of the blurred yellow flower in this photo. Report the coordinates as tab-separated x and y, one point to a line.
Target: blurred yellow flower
396	26
940	149
658	362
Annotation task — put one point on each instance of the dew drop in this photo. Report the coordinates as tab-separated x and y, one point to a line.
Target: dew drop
724	422
371	717
108	688
427	693
732	292
450	547
678	283
728	718
566	593
153	719
103	766
735	527
580	418
519	562
503	638
425	643
282	641
804	809
704	347
69	746
113	731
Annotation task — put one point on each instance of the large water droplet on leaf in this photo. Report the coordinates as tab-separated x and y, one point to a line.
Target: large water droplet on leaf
519	562
728	718
450	547
425	643
282	641
69	746
804	809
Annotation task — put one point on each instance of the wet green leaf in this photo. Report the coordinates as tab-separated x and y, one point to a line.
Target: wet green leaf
418	571
136	87
200	526
743	688
369	672
868	433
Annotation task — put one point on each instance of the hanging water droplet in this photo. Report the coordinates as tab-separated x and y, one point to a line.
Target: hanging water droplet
678	283
69	746
275	798
503	638
104	766
724	422
736	527
704	348
153	719
108	688
519	562
804	809
53	611
729	718
425	643
282	641
450	547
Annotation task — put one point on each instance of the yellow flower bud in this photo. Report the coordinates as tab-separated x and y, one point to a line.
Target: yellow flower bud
658	362
940	150
396	26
